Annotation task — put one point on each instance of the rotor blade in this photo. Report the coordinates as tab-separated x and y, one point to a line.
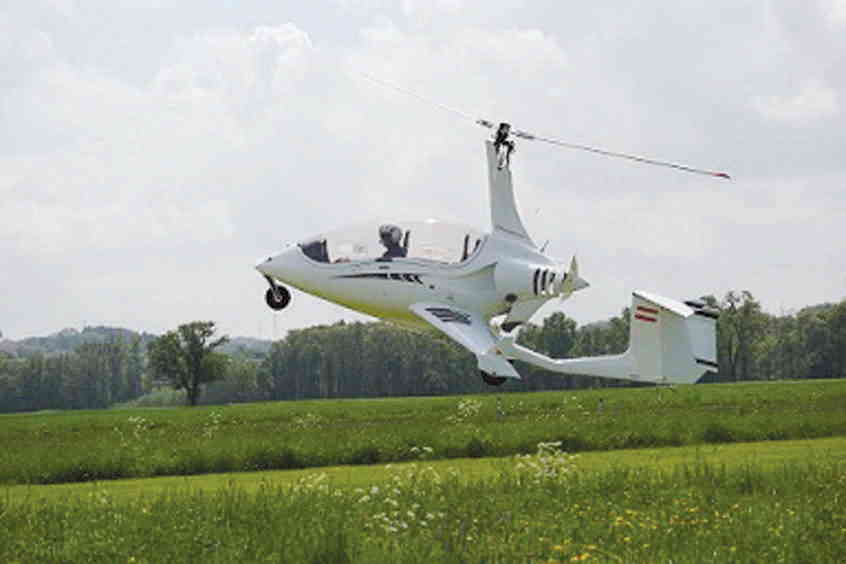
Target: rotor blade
483	122
636	158
531	137
407	92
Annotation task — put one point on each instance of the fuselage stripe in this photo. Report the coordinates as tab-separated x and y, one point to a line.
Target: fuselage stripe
400	277
644	318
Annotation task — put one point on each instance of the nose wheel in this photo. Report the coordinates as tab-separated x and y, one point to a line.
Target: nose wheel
277	297
280	301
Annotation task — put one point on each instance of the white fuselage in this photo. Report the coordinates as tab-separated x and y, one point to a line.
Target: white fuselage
387	289
460	292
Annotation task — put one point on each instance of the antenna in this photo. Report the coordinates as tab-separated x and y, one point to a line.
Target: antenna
488	124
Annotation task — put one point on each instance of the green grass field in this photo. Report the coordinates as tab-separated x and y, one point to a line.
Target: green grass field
660	476
766	456
98	445
729	503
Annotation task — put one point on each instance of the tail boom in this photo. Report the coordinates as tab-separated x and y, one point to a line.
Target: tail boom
670	343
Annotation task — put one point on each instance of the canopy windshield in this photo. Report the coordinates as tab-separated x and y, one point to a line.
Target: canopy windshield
429	240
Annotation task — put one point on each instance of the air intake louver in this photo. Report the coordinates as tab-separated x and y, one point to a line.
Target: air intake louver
543	282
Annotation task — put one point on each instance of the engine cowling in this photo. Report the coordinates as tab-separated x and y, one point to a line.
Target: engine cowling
520	280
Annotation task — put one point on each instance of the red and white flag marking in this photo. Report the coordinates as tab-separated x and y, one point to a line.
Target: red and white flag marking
644	313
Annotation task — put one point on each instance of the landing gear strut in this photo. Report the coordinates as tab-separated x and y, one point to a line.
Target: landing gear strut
277	297
492	380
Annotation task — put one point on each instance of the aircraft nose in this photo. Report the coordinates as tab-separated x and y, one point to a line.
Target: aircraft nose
281	266
263	265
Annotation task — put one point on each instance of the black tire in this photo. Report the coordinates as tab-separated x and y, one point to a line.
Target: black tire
280	302
492	380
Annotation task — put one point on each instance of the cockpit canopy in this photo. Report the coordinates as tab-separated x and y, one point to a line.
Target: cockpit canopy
430	240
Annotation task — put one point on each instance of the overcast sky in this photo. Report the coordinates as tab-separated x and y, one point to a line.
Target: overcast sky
151	152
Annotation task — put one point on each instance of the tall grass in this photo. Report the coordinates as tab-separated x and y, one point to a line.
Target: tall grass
96	445
539	508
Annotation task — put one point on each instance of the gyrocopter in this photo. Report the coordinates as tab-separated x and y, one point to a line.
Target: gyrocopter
479	288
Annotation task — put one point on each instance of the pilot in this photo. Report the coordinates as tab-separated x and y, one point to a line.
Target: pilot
503	145
390	236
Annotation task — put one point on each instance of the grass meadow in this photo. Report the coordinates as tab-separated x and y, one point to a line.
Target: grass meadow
544	507
59	447
636	475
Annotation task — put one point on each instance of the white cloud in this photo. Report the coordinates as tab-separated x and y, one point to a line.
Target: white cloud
23	52
424	11
835	12
523	50
66	8
480	72
51	228
202	146
246	72
128	163
815	100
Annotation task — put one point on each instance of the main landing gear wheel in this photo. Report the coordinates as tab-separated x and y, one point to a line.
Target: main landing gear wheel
279	299
492	380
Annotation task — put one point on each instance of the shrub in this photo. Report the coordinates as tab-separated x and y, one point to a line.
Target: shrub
477	448
716	432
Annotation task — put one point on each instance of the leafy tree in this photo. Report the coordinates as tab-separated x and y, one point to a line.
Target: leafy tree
135	369
116	357
837	328
187	357
740	326
239	383
30	382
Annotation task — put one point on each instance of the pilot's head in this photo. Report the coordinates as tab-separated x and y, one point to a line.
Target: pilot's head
390	235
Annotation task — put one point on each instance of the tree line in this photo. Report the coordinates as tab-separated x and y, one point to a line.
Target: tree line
95	375
378	359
